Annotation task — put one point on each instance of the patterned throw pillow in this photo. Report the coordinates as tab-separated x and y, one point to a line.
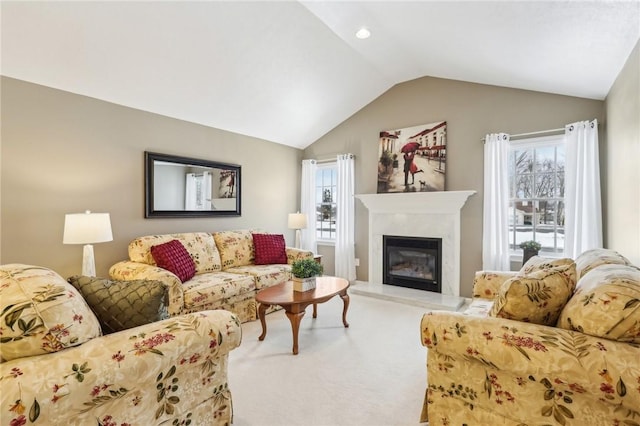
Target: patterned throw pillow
120	305
173	257
538	293
235	247
606	304
41	313
269	249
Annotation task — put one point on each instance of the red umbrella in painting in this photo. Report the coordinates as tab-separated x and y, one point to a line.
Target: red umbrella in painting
410	147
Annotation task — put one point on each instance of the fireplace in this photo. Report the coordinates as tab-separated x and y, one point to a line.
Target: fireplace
413	262
419	214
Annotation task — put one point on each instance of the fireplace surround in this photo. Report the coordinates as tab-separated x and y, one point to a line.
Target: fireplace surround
421	214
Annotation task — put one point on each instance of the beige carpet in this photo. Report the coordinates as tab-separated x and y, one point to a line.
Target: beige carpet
372	373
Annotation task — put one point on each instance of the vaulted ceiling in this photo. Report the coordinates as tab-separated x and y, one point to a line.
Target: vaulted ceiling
290	71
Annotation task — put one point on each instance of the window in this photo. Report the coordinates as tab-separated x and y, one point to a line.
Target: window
536	193
326	183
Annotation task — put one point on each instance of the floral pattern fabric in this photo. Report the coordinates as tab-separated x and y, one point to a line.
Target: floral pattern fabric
128	270
484	370
591	259
486	284
232	287
497	371
41	313
212	288
606	304
538	292
200	246
172	372
236	248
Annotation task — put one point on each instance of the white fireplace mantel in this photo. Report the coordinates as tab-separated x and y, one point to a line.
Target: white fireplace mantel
440	202
420	214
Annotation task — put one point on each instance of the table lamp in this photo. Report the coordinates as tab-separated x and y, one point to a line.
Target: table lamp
87	228
297	221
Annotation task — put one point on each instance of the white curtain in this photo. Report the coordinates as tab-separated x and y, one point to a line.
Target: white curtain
308	205
345	265
495	229
583	220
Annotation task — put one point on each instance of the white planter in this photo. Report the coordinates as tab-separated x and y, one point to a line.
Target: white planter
304	284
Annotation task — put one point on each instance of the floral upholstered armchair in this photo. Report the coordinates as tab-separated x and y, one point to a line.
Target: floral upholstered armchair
58	370
558	345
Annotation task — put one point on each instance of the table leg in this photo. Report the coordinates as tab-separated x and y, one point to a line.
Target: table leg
262	309
345	300
315	310
295	318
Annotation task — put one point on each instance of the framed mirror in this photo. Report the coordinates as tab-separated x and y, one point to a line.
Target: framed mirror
190	187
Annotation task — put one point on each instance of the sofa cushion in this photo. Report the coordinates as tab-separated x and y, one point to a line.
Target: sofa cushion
236	248
265	275
41	313
200	246
120	305
173	257
593	258
538	293
269	249
606	304
214	288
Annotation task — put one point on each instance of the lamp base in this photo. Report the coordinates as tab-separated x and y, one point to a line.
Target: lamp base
88	261
298	235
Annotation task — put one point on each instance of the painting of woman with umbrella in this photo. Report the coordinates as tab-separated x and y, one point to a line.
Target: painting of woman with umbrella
423	149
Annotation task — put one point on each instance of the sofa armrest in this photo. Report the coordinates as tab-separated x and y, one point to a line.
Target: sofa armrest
556	358
128	270
294	254
486	284
150	374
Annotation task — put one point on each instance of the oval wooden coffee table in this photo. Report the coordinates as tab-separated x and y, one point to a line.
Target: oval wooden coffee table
294	303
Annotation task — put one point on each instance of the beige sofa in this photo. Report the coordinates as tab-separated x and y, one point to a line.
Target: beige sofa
58	370
226	276
579	364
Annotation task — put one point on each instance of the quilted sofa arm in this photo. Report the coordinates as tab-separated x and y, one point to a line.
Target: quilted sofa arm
151	374
128	270
556	358
294	254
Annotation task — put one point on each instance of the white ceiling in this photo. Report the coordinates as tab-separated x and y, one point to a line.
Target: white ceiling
289	71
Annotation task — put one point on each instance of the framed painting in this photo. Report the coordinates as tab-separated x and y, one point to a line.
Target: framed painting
413	159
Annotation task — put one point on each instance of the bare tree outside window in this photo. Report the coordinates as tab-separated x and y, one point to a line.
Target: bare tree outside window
326	183
536	187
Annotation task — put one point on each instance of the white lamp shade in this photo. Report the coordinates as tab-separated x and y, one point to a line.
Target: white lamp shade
297	221
87	228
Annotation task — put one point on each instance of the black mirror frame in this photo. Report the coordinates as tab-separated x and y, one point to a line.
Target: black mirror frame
150	212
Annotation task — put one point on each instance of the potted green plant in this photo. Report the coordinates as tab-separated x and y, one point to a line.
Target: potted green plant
304	273
531	248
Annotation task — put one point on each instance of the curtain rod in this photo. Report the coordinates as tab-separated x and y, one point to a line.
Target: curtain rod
333	159
541	132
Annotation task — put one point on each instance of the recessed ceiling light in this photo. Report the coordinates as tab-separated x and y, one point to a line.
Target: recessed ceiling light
363	33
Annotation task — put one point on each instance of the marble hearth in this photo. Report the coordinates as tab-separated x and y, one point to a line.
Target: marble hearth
416	214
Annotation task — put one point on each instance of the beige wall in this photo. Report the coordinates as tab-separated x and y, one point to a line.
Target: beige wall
64	153
623	161
471	111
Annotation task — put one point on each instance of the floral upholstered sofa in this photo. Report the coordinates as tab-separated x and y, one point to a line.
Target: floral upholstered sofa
57	369
229	269
558	343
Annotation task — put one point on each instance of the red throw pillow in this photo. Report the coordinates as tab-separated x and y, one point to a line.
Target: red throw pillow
269	249
173	257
